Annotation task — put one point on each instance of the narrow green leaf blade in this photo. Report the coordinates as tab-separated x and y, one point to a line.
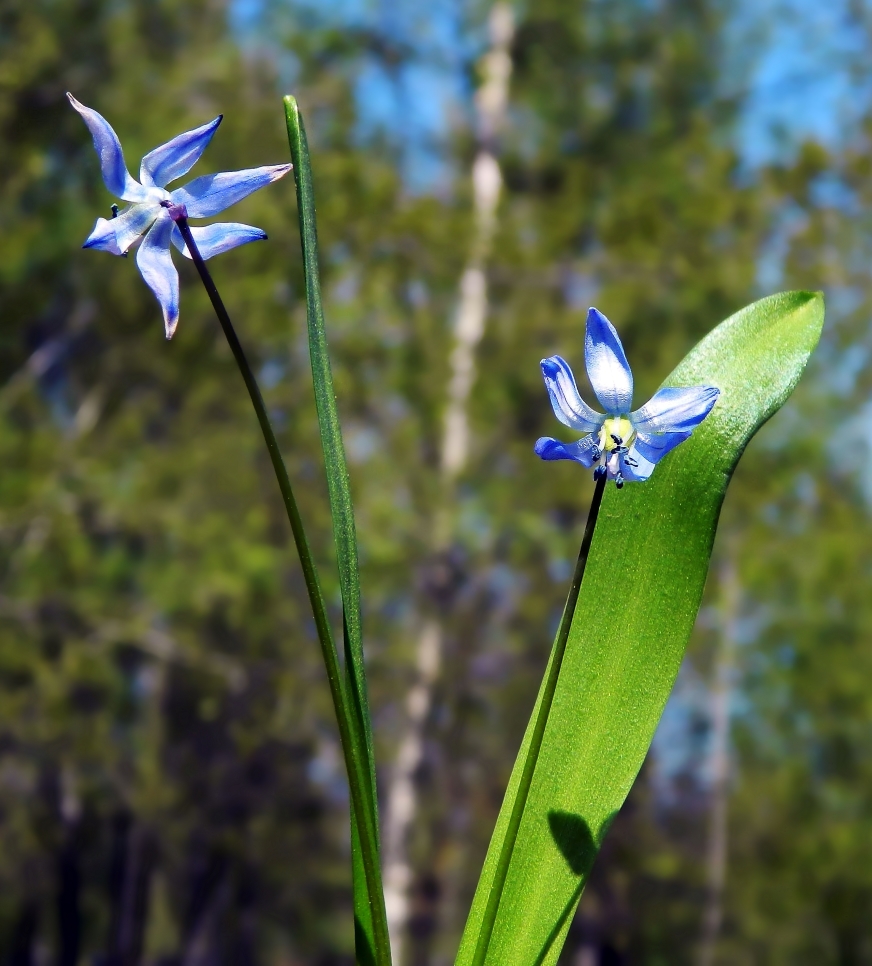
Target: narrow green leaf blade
336	467
370	918
638	602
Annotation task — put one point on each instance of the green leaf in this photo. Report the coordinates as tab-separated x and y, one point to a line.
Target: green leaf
635	612
371	929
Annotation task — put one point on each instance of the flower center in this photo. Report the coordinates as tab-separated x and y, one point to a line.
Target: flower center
616	431
613	452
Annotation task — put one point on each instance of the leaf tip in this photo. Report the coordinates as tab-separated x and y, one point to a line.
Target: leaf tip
811	296
817	302
292	109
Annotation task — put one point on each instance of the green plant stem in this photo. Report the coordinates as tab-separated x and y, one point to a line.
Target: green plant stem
356	765
550	686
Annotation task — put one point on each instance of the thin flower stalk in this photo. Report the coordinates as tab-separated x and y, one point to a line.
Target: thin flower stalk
548	690
355	763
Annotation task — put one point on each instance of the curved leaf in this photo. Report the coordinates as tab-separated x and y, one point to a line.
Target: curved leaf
638	602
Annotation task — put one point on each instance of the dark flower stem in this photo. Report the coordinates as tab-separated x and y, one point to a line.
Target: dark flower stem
357	776
548	690
309	571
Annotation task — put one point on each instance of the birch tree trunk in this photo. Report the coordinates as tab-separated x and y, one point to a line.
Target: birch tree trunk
402	798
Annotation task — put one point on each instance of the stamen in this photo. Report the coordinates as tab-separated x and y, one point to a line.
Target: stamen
617	439
619	482
630	461
599	472
114	209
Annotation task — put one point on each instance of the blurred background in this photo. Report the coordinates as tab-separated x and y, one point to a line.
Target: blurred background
171	790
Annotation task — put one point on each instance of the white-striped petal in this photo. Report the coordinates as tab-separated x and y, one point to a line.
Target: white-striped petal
115	174
212	193
566	402
156	265
675	409
176	157
607	366
212	240
102	237
126	228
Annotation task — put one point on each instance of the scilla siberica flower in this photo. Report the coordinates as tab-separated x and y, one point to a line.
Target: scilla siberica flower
623	445
148	214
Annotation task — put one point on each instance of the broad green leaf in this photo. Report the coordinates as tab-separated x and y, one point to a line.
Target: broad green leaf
636	609
371	933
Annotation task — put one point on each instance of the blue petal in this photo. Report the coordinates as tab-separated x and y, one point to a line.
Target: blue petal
568	405
156	264
648	450
102	237
607	366
671	409
215	239
206	196
638	473
585	451
115	174
177	157
125	229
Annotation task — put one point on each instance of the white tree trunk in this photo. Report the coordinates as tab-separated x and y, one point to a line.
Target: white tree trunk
402	798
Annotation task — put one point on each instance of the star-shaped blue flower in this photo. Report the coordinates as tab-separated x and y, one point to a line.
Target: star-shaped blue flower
148	214
623	445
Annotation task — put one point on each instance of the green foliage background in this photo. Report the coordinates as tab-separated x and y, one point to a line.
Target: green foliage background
170	785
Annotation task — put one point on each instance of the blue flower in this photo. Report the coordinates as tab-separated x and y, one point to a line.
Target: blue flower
149	211
623	445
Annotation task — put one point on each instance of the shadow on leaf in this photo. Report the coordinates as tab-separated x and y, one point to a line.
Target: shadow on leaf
362	946
573	837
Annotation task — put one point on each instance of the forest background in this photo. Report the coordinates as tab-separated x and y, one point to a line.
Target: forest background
171	790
